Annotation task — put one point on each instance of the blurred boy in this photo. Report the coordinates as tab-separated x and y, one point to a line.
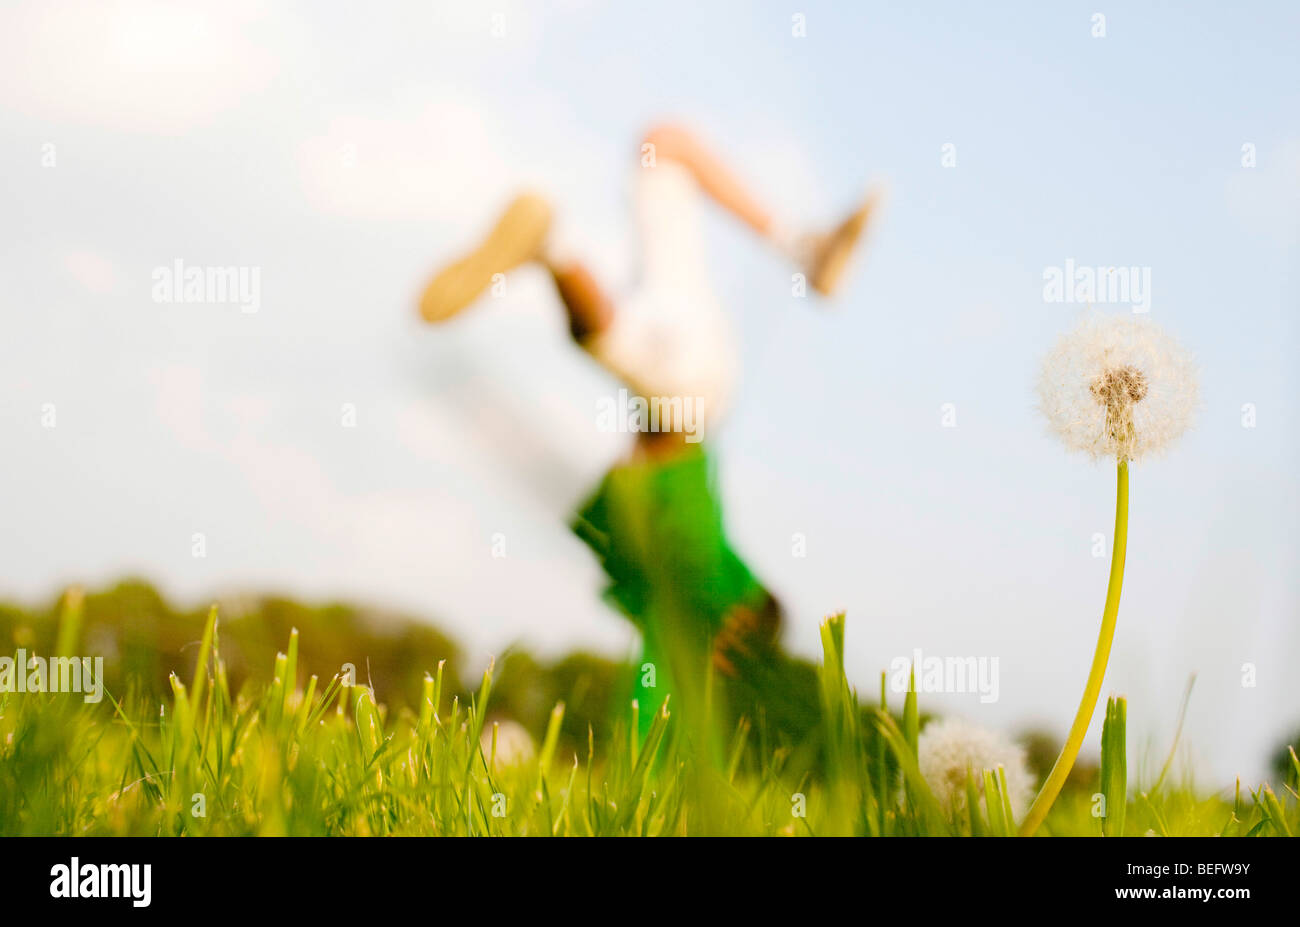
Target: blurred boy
655	522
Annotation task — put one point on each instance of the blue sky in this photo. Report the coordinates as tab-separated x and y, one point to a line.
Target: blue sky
343	153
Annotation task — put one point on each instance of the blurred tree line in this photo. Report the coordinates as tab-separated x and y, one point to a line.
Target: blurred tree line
143	639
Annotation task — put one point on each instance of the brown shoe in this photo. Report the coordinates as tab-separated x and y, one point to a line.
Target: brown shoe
516	239
831	252
748	633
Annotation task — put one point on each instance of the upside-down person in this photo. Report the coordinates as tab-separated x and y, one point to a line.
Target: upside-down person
655	522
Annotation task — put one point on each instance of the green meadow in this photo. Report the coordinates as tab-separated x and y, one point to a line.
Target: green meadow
206	728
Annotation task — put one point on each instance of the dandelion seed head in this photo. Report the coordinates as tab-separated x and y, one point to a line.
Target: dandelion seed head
515	745
1118	387
951	748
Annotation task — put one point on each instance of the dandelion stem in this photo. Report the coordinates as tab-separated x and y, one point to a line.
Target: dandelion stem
1065	762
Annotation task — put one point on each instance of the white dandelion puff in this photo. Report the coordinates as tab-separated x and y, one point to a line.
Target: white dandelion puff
1118	387
515	745
951	749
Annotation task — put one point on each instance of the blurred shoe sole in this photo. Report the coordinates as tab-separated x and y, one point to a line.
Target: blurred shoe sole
516	239
831	254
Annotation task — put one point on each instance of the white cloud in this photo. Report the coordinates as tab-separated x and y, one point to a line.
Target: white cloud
96	273
440	160
134	64
178	403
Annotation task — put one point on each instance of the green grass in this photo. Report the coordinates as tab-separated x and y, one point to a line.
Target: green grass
305	755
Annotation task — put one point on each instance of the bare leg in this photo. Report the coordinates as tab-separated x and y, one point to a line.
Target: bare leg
823	256
714	177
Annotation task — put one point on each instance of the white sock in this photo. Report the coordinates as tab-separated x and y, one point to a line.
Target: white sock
791	241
